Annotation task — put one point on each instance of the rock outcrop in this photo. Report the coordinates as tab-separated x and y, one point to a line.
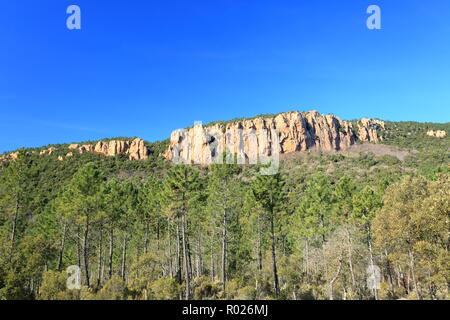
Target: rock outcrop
9	156
74	146
136	149
441	134
260	137
48	151
368	130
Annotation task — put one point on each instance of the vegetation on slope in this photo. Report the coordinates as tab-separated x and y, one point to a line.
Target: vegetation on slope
152	230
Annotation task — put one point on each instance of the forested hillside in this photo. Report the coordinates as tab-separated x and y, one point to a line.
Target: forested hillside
150	229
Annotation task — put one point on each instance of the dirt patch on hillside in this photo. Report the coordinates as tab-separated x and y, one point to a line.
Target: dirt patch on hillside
379	150
355	150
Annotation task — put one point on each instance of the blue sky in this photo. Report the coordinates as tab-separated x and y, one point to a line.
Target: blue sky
145	68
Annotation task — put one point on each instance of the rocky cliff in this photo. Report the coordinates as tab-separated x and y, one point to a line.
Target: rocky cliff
136	149
441	134
260	137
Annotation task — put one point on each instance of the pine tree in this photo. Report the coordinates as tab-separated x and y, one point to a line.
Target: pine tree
268	191
15	192
223	193
180	189
150	207
365	205
81	200
112	205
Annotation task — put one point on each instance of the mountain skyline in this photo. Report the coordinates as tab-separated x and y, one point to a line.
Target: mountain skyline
149	68
235	119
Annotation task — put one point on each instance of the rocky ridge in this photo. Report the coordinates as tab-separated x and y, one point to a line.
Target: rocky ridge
259	137
135	149
441	134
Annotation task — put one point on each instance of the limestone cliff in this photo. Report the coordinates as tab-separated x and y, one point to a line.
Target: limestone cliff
441	134
9	156
284	133
136	149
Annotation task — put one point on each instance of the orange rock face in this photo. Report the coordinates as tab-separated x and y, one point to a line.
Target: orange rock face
441	134
287	132
49	151
136	149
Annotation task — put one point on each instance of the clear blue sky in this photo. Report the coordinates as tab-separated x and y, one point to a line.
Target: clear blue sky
145	68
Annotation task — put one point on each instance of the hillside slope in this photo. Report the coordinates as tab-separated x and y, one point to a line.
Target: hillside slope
125	222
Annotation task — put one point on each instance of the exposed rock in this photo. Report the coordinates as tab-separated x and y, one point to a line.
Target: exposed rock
14	155
48	151
86	148
368	129
136	149
10	156
438	134
259	137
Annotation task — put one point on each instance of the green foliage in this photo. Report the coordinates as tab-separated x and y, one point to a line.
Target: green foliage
413	228
53	287
164	289
153	230
114	289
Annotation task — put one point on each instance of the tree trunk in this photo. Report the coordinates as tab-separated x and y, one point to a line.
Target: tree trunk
188	246
100	259
224	251
213	275
389	270
350	259
124	258
169	244
185	258
274	259
158	234
260	266
146	237
200	255
179	271
61	249
79	246
111	251
322	226
413	274
86	253
369	243
14	228
330	287
307	257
